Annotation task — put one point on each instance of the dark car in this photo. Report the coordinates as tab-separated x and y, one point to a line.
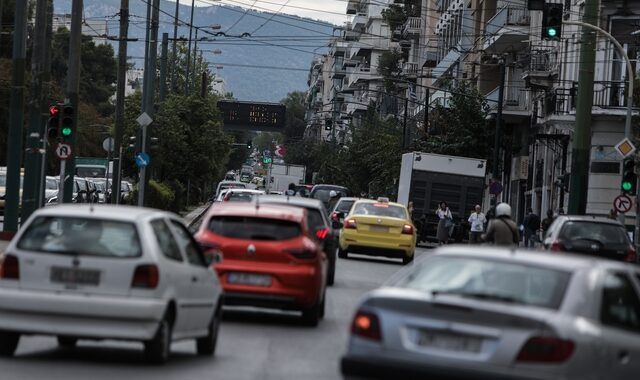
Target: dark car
596	236
319	225
321	192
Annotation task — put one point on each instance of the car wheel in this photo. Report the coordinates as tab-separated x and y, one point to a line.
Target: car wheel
311	316
207	344
67	342
407	259
342	253
8	343
157	349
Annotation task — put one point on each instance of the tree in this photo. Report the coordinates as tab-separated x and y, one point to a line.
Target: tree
389	68
296	108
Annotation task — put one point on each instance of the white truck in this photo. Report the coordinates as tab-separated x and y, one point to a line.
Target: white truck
282	175
426	179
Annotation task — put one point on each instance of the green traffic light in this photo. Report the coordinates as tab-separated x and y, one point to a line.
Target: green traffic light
552	32
626	185
66	131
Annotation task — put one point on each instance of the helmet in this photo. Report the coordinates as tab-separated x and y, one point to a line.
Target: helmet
503	209
333	194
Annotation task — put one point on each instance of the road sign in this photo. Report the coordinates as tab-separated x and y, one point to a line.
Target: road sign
63	151
281	150
625	148
107	144
144	120
267	160
143	159
495	188
622	204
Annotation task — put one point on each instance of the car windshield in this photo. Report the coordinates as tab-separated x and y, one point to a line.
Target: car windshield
240	197
379	209
604	233
344	206
323	194
52	184
489	280
250	228
81	236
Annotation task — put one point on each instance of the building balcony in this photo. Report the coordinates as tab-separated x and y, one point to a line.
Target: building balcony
429	57
542	69
359	22
515	102
609	98
338	70
412	27
355	106
359	75
352	7
410	69
339	48
507	30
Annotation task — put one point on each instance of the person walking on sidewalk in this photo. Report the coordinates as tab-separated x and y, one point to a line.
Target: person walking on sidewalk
502	229
445	222
476	220
531	225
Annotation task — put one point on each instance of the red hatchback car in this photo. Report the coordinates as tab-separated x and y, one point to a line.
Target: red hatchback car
269	258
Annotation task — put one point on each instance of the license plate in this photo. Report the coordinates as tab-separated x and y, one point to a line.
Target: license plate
249	279
449	342
75	276
379	229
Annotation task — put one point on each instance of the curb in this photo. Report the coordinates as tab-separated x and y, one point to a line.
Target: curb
199	216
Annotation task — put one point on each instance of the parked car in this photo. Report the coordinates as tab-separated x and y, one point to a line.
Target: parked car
322	192
378	228
108	272
270	259
595	236
496	313
318	223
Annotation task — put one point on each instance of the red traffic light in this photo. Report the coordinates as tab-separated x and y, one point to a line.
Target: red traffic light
54	111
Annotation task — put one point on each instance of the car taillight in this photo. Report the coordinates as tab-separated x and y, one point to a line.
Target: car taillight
557	246
146	276
543	349
366	325
322	233
630	255
350	223
302	253
9	267
407	229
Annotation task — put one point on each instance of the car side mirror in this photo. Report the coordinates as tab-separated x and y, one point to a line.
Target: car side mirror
213	257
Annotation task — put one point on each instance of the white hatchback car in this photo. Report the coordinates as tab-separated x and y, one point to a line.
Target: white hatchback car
108	272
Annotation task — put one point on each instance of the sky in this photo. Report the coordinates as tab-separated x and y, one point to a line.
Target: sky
333	11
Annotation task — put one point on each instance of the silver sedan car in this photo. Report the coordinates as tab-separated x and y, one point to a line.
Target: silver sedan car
492	313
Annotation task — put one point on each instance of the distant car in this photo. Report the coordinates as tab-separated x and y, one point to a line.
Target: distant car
322	192
108	272
378	228
342	208
51	188
303	190
223	185
270	259
595	236
238	195
470	312
3	183
319	226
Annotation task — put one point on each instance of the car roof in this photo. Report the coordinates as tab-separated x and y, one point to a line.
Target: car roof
588	218
115	212
328	186
560	261
252	191
296	201
281	212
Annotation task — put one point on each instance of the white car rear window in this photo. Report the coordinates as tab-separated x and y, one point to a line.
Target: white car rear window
81	236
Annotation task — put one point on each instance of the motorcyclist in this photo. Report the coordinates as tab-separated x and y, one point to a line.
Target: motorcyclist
502	229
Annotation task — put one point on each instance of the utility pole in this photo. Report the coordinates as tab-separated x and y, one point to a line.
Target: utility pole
32	180
404	123
121	84
582	133
174	59
14	140
46	91
426	112
496	144
73	84
163	66
149	90
186	76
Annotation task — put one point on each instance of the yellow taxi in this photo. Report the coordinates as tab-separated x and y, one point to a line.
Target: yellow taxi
378	228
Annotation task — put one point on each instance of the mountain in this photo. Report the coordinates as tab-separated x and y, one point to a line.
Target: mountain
297	38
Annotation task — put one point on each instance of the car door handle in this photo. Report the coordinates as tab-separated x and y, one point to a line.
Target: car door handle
624	357
194	279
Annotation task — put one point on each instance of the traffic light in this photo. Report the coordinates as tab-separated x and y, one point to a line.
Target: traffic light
328	124
66	123
53	125
249	145
153	143
552	21
629	177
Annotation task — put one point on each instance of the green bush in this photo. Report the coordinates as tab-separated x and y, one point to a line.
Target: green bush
161	196
179	192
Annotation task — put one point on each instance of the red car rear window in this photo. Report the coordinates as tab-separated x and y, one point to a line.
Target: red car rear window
250	228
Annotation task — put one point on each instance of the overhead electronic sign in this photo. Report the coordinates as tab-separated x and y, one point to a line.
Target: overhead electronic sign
252	116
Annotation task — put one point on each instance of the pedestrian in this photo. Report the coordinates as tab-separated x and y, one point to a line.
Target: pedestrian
531	225
546	222
445	222
476	220
502	230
